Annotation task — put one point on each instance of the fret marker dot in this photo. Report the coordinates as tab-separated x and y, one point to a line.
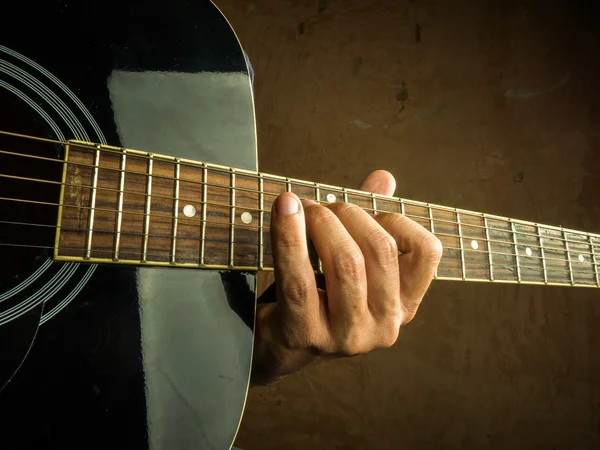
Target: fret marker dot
581	258
474	244
189	211
330	198
246	217
528	251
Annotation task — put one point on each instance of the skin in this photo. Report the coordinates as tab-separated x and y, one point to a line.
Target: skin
370	290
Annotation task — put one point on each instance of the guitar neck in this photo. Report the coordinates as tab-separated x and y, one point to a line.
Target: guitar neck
125	206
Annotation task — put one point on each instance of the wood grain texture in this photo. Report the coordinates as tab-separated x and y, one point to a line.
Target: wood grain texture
137	208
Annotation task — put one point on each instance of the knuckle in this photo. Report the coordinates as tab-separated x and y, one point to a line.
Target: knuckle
409	311
351	344
297	290
393	310
349	263
390	334
383	248
292	340
390	320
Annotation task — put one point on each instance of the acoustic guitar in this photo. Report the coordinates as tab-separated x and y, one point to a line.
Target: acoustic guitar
128	151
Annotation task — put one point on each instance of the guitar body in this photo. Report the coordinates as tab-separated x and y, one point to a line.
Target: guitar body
103	357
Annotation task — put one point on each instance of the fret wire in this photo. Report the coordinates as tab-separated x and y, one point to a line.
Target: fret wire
568	256
451	222
120	205
489	246
260	224
497	253
190	164
430	215
314	267
555	269
521	233
374	203
232	218
175	212
512	227
539	232
250	226
90	231
402	207
195	164
318	197
226	242
594	263
204	203
288	185
134	212
275	194
147	208
432	229
501	242
182	198
344	195
366	209
414	216
462	250
90	146
247	268
105	189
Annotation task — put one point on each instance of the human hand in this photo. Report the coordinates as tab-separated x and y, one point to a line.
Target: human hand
370	292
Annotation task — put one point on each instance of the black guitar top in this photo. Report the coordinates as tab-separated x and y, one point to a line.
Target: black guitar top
106	357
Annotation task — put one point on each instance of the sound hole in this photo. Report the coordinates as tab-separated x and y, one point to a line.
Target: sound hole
30	226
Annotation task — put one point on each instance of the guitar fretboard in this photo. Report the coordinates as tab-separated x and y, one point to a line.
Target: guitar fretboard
130	207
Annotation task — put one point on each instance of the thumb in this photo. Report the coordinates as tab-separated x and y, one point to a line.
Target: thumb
294	275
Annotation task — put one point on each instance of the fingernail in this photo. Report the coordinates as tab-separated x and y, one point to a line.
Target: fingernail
286	205
307	202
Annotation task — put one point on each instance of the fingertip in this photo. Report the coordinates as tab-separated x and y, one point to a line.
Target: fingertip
287	204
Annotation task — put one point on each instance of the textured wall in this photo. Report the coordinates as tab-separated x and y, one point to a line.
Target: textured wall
485	105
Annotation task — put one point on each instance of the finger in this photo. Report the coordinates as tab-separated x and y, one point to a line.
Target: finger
422	252
343	264
380	253
379	182
294	275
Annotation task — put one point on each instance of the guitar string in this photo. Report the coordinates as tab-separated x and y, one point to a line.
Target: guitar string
415	216
180	237
363	195
427	218
371	210
590	250
367	196
157	258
